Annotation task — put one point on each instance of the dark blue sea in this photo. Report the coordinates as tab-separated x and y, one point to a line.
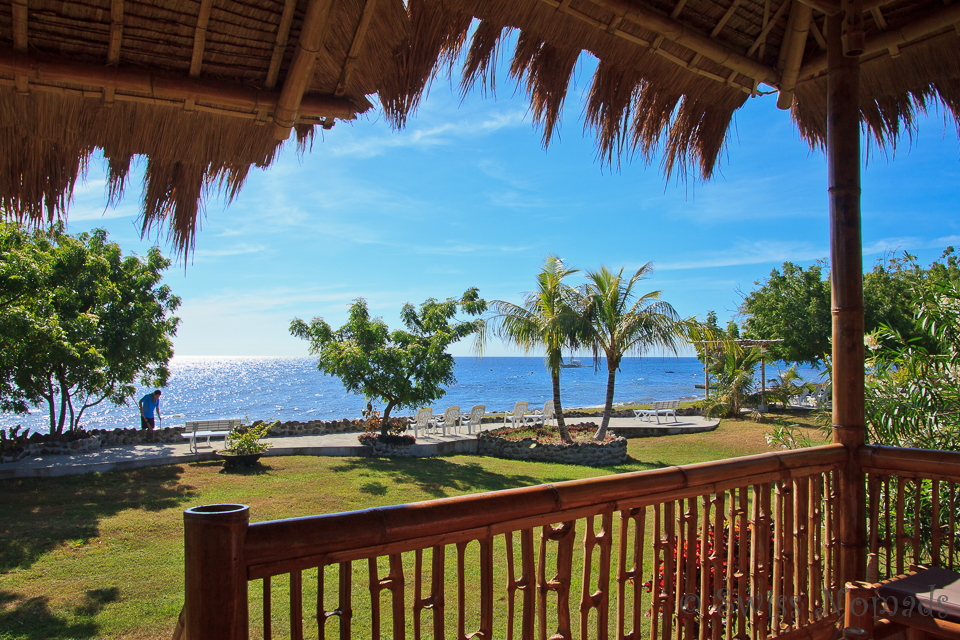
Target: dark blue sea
210	387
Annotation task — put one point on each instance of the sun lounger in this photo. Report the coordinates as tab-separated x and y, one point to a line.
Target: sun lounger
519	414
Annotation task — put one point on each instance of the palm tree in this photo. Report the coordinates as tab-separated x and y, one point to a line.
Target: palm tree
546	319
617	322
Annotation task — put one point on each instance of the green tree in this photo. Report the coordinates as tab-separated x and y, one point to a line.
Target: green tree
402	368
92	323
793	305
546	319
618	322
732	369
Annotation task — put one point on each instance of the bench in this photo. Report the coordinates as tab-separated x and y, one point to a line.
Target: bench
194	429
663	408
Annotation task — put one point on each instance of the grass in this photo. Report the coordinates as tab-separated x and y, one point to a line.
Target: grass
102	555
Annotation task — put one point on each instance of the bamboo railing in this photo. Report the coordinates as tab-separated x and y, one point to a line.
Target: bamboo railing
729	550
913	499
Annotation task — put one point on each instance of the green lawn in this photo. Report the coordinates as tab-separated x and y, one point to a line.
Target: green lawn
102	555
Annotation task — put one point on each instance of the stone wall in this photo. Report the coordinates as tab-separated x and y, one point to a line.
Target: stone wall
43	444
315	427
591	454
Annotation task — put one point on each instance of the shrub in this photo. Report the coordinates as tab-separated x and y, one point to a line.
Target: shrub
245	440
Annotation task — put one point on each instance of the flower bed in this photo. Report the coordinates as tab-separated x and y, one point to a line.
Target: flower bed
543	445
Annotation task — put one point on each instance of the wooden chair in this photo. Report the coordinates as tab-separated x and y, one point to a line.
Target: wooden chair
925	603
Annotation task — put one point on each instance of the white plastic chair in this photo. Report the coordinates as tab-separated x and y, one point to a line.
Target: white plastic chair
518	415
546	415
449	420
475	419
422	421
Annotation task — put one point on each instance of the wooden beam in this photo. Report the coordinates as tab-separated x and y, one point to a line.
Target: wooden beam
165	87
684	35
726	16
818	36
116	32
933	22
19	26
829	7
795	42
200	37
766	29
677	9
355	47
283	32
882	25
314	26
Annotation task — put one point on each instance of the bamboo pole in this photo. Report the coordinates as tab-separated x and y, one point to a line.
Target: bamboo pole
846	273
725	18
796	39
283	32
312	32
942	18
200	37
116	32
159	87
215	581
355	47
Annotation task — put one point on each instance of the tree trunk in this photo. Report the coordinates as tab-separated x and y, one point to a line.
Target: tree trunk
558	410
385	418
608	405
53	410
64	396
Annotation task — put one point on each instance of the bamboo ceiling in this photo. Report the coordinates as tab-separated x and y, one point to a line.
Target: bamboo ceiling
207	88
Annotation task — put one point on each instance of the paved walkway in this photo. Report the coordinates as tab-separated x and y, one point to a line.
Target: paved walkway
337	444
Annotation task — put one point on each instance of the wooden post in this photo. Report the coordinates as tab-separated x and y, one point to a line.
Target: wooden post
763	381
215	575
846	274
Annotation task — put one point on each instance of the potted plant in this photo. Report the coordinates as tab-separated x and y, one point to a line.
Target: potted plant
243	446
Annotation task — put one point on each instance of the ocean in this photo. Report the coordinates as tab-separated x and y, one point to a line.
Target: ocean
284	388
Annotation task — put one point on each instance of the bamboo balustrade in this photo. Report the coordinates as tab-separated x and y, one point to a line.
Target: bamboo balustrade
913	497
729	550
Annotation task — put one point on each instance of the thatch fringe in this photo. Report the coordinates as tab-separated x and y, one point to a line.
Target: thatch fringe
47	139
545	70
436	36
639	103
481	62
892	92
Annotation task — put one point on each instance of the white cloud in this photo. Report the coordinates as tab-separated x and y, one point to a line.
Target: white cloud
757	252
441	134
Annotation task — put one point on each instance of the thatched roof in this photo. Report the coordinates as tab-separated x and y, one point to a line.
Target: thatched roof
203	89
671	73
206	89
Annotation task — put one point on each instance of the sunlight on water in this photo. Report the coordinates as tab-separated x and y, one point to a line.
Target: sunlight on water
210	387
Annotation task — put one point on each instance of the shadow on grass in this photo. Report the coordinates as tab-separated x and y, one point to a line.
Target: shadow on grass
40	514
435	476
258	469
32	619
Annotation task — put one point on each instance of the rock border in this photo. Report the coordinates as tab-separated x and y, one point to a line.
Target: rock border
588	454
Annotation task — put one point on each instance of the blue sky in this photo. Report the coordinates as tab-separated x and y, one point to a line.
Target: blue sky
466	196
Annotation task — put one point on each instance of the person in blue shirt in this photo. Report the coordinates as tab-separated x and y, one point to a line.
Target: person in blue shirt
149	404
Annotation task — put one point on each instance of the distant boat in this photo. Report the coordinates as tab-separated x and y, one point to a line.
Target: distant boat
700	386
572	364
